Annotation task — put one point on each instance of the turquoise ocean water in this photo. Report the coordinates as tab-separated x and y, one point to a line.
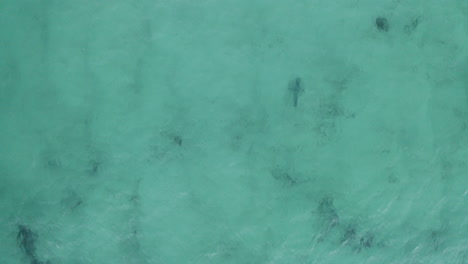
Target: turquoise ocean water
183	132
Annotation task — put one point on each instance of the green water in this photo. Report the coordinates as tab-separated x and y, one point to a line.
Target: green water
233	131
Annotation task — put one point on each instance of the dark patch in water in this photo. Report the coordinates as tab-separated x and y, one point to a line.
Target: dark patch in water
435	239
382	24
27	240
410	27
178	140
295	86
366	241
349	234
327	210
94	167
283	176
53	163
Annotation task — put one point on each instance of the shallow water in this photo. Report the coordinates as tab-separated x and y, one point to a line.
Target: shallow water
176	132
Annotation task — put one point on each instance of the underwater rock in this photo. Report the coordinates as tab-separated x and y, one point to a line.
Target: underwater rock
382	24
27	240
328	211
349	234
367	240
